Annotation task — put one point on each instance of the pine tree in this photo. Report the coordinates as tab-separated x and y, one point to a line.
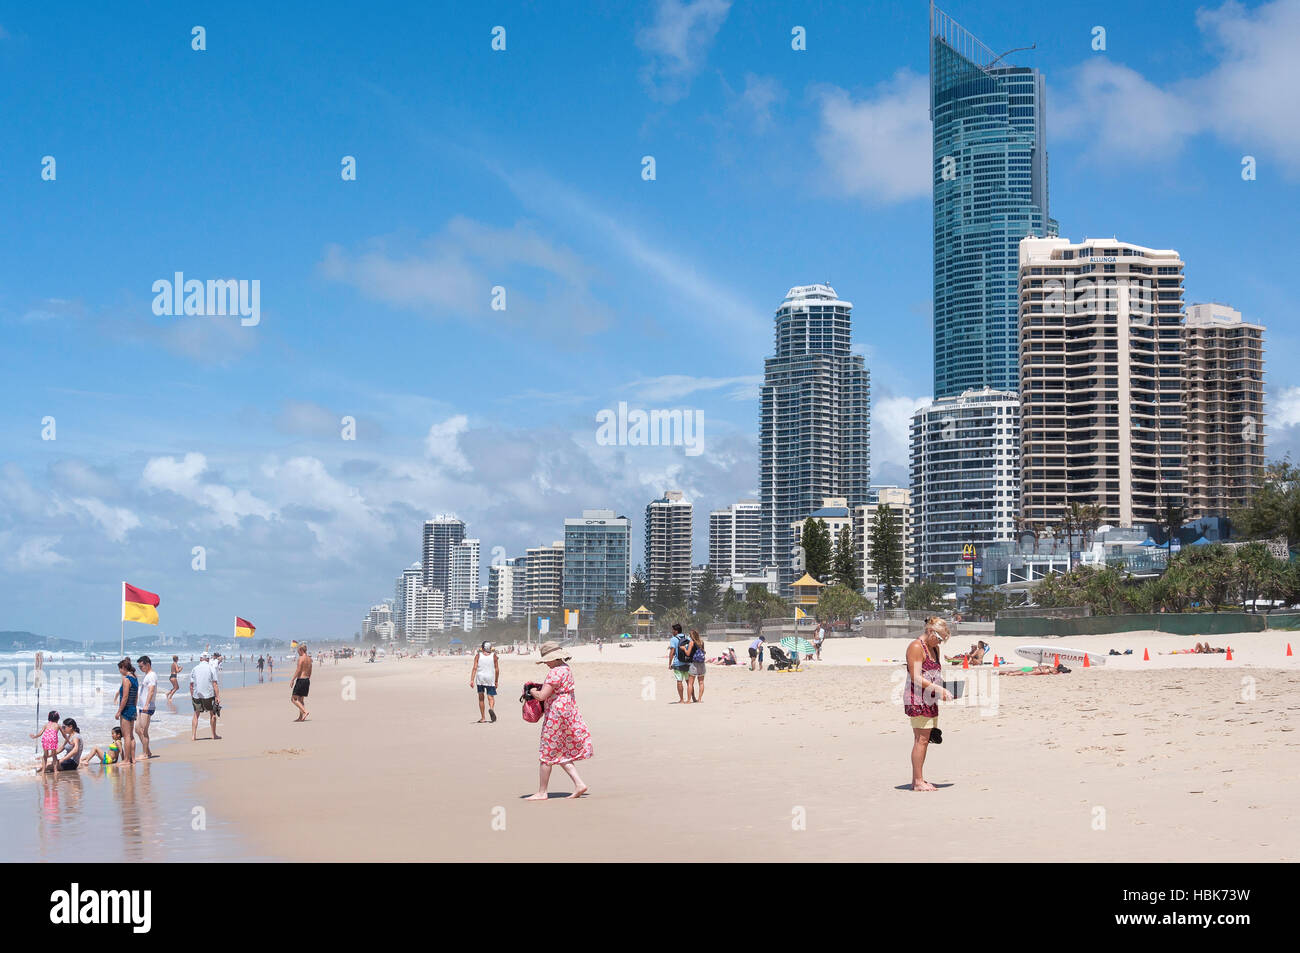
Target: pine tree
816	543
708	596
887	554
638	594
845	562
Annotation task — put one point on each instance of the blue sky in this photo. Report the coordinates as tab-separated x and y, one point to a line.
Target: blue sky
522	169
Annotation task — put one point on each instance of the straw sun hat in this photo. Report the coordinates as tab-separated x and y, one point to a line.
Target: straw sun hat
550	652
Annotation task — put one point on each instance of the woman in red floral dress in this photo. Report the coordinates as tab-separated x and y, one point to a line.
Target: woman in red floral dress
565	738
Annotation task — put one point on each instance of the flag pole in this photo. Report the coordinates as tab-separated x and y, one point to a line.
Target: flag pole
121	628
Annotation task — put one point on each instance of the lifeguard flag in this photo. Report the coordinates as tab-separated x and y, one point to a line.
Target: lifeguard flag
243	628
799	613
293	644
139	605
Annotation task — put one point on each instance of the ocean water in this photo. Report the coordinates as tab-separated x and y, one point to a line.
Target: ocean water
82	687
152	812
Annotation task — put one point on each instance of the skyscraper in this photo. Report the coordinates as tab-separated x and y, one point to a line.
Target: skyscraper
990	191
1101	380
545	578
735	540
503	591
1224	358
408	585
668	528
463	581
597	558
440	534
965	484
815	430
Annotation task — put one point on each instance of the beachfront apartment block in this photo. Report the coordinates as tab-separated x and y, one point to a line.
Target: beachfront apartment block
1102	380
503	591
596	557
965	479
545	578
989	178
428	616
886	502
463	581
669	527
1224	361
412	577
735	540
834	514
440	534
815	419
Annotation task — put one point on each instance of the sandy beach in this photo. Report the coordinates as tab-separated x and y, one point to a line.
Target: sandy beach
1183	758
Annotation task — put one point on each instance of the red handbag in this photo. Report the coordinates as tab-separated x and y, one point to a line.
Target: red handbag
533	709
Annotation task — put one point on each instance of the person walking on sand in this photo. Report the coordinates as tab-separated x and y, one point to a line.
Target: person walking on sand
485	674
565	738
679	662
127	711
756	653
922	693
301	683
174	677
695	672
205	695
270	667
148	696
261	665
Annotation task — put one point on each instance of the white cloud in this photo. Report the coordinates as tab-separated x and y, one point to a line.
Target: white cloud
669	387
116	521
441	444
761	93
1246	99
452	274
891	441
33	553
227	506
678	42
878	148
1285	408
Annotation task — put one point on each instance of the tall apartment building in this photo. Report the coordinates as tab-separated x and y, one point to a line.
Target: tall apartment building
899	503
1224	358
463	581
735	540
1101	380
545	578
428	615
668	536
815	426
597	559
407	584
440	534
990	191
503	584
965	457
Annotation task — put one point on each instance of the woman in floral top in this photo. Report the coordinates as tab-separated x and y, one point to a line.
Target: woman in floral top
565	738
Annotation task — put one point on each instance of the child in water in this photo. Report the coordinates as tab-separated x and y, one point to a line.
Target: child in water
51	740
111	754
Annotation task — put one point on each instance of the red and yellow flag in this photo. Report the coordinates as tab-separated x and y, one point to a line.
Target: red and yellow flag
139	605
243	628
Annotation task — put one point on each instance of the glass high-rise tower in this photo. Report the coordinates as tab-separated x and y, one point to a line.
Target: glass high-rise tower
815	430
990	191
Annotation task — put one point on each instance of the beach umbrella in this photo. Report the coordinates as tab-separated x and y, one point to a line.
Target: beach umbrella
796	646
456	642
626	635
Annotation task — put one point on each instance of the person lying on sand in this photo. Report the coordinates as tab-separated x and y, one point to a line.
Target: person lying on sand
1039	670
975	655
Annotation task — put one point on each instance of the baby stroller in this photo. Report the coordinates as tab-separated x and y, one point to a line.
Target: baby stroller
780	661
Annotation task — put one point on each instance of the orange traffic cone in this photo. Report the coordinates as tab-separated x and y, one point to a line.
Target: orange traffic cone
1146	656
1086	663
1056	661
1229	653
997	663
1288	649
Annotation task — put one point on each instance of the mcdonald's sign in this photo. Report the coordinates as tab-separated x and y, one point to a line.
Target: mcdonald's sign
968	552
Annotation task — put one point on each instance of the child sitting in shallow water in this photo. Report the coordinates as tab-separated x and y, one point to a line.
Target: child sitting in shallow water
111	754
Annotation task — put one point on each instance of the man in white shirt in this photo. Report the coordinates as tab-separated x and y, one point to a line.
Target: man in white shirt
145	703
205	694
